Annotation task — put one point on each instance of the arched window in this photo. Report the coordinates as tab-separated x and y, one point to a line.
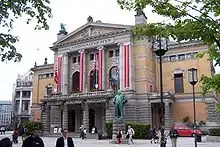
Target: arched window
114	78
94	76
75	81
49	89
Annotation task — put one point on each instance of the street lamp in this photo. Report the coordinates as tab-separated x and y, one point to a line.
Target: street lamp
160	46
193	79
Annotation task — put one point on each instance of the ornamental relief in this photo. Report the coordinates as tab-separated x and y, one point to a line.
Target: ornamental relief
90	32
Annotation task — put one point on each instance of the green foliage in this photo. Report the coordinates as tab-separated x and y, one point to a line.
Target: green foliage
12	10
186	119
214	132
192	20
109	129
142	131
32	126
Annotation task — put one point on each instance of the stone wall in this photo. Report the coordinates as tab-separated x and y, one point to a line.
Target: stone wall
55	117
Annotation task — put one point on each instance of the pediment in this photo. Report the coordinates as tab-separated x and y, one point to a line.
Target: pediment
92	29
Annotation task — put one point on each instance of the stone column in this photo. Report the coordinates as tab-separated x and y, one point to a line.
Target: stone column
45	119
64	87
65	117
85	115
82	77
168	116
20	103
101	67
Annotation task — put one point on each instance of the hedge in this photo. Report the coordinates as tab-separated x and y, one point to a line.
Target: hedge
214	132
142	131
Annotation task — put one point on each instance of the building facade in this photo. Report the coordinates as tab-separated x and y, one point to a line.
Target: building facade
5	113
43	83
22	98
97	59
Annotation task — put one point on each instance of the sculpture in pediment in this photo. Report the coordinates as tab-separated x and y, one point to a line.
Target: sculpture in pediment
90	32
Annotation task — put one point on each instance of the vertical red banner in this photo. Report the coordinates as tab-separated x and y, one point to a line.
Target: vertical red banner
59	74
100	69
125	66
81	71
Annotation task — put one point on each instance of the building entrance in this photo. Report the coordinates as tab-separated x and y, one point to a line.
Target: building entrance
156	114
91	119
71	121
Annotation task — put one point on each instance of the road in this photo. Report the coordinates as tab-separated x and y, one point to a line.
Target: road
182	142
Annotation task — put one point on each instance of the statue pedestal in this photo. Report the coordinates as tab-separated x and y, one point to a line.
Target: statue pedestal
118	124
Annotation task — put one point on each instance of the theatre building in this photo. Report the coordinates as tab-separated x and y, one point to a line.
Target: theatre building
98	58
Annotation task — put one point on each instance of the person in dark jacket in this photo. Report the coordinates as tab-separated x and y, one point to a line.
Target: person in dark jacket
33	141
173	136
5	142
65	140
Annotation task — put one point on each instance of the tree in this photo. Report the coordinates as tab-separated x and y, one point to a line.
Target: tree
10	10
192	20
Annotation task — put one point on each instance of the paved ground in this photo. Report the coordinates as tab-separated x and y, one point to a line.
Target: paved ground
182	142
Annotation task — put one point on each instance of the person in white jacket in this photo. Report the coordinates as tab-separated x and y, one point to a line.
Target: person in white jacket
130	134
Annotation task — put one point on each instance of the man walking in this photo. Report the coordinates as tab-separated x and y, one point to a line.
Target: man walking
33	141
173	136
64	141
130	134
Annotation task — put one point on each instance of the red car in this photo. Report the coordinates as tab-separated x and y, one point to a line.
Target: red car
186	131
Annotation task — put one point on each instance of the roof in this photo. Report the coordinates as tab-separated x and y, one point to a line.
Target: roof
5	102
42	67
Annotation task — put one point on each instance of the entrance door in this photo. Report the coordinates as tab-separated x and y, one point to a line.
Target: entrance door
91	119
71	121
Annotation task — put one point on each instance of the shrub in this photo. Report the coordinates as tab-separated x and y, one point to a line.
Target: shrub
214	132
142	130
186	119
109	129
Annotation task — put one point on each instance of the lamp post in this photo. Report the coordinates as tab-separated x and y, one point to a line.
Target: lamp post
193	79
160	46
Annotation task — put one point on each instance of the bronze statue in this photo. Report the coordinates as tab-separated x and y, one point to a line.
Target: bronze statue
62	29
119	102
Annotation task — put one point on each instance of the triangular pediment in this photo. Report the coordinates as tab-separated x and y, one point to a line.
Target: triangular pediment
92	29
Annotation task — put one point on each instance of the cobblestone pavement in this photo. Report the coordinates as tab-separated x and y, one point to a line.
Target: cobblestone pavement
182	142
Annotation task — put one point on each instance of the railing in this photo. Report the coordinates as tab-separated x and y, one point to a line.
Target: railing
80	95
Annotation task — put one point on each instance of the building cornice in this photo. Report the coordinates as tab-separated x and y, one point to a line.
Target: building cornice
75	42
175	45
42	67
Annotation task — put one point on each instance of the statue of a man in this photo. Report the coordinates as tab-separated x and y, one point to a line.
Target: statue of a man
119	102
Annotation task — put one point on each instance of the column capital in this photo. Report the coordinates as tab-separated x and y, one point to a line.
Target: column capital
100	47
81	51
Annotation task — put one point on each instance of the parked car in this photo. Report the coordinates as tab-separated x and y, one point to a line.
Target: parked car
185	131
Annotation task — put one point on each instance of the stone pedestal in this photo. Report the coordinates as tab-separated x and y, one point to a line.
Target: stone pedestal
118	124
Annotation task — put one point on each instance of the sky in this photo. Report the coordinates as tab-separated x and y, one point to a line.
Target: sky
34	45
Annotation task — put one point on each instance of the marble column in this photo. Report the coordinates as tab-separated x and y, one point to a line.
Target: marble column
101	67
168	116
64	86
20	103
65	117
82	77
85	115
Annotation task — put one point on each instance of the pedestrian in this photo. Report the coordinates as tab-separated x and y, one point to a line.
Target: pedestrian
130	134
5	142
153	135
33	140
119	135
15	135
65	140
173	136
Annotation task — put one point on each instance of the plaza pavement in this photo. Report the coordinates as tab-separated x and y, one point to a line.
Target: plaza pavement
182	142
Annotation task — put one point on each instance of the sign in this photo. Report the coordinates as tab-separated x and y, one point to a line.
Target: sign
92	44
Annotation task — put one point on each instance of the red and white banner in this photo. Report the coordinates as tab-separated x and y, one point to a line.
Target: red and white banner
58	71
81	77
126	49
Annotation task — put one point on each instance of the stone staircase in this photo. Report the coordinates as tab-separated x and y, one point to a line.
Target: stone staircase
73	135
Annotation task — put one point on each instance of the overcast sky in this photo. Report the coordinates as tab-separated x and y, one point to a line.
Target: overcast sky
73	13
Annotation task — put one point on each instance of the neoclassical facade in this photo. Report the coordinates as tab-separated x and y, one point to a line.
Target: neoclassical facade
98	58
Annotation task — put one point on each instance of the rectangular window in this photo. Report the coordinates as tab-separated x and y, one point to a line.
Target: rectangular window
182	57
74	59
189	56
91	56
49	91
26	105
47	75
111	53
117	52
178	83
17	94
173	58
26	94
